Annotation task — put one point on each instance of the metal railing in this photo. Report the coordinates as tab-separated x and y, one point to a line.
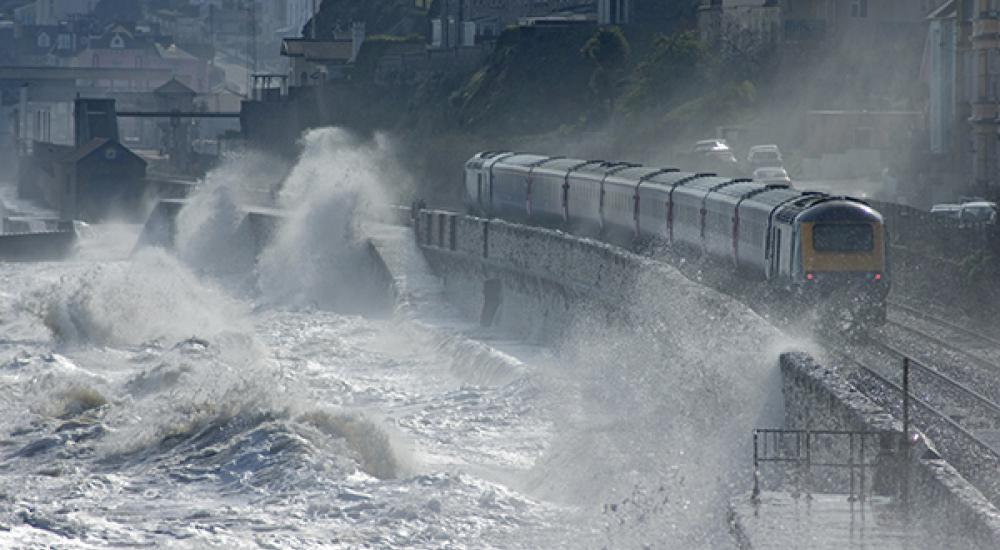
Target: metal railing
796	450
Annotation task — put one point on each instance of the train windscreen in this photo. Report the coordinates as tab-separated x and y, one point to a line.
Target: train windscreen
853	237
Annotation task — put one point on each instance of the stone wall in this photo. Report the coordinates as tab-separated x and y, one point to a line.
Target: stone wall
545	277
818	397
544	274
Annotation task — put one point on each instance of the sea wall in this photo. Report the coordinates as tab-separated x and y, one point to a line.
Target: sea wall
530	280
37	247
819	397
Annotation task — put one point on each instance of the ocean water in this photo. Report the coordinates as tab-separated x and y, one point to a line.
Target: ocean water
168	399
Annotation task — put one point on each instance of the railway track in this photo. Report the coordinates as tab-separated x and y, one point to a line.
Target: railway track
955	416
981	348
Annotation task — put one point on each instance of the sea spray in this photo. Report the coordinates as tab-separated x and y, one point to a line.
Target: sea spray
318	257
212	235
152	297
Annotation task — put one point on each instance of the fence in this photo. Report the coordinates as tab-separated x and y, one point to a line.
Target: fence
841	456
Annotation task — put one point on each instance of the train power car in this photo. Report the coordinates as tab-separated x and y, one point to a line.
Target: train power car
819	246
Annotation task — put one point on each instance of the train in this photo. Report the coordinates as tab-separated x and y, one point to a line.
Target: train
825	250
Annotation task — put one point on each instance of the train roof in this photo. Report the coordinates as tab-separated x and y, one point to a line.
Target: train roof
605	167
775	197
561	164
741	189
839	209
706	183
527	160
634	174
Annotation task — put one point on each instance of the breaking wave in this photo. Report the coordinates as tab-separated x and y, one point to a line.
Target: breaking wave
318	257
153	297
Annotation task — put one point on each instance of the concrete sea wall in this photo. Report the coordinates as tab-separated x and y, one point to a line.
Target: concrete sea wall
37	247
818	397
542	274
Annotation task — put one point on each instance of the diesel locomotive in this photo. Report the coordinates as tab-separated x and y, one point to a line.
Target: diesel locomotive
826	249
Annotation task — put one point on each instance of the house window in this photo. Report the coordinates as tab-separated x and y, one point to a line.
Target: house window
117	42
44	41
859	8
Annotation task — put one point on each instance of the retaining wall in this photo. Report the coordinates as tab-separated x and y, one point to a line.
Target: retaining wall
37	247
543	270
818	397
543	277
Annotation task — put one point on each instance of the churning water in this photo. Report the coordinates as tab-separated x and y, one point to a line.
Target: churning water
167	400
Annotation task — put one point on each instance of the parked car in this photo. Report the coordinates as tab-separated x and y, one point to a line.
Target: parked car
714	155
772	175
764	155
968	213
979	212
950	211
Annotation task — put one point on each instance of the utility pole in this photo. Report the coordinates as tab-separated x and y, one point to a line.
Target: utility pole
312	21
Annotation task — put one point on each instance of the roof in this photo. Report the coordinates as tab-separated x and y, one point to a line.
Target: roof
839	210
318	50
174	87
93	146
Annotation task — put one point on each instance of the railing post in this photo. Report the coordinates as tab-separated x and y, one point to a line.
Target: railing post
808	464
861	492
755	495
904	493
850	467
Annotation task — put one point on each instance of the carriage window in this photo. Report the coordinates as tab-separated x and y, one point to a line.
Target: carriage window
854	237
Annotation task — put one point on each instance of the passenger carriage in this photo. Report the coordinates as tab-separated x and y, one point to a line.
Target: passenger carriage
817	245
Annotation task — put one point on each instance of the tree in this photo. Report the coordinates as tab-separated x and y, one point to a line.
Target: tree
608	49
669	73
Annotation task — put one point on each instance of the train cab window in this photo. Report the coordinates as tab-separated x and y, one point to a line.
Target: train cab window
843	237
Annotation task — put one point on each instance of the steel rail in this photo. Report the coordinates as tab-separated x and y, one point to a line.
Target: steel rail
945	323
948	380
